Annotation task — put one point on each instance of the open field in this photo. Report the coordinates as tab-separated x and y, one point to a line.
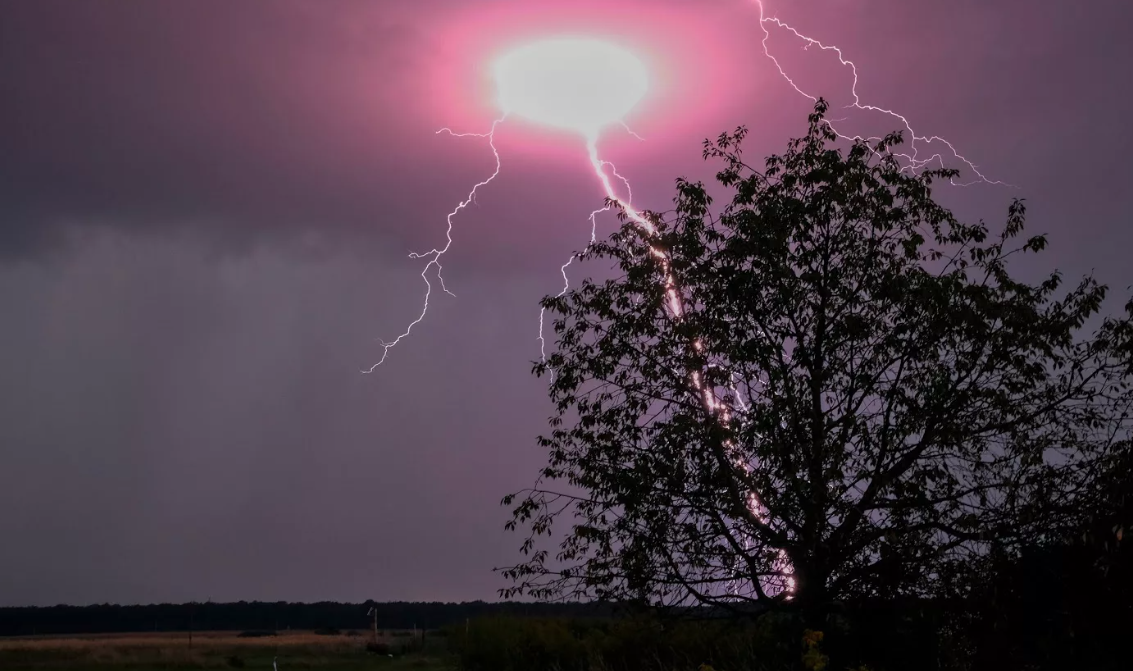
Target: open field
213	650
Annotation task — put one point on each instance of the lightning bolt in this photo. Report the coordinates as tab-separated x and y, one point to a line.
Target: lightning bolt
630	131
712	404
592	152
915	162
434	255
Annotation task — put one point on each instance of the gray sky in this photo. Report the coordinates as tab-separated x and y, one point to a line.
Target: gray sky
205	211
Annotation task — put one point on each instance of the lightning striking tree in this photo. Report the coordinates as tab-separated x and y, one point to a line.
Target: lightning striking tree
856	397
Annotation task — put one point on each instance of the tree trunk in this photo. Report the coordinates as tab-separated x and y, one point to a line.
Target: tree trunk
811	600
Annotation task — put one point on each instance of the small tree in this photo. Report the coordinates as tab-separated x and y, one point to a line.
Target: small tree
850	396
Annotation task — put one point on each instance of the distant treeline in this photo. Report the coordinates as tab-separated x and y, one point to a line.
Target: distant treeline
259	615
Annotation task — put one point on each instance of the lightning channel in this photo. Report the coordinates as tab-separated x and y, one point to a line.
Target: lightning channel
914	159
712	404
434	255
630	131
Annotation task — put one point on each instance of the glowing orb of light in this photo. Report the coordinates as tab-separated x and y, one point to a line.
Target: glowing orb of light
577	84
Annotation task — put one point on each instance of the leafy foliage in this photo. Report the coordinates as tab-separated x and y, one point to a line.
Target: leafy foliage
854	394
621	644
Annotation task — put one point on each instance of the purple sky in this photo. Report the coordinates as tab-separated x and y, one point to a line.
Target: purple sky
205	212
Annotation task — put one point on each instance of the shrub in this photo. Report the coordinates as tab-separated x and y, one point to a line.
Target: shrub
630	644
379	648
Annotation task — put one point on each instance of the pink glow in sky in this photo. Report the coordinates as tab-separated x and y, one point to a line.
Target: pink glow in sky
547	66
553	69
689	66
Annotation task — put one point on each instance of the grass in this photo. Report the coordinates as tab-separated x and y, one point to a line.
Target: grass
213	650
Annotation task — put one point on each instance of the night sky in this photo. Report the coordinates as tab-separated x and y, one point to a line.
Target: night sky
206	208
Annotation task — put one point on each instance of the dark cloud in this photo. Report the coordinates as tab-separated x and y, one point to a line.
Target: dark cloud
178	428
239	116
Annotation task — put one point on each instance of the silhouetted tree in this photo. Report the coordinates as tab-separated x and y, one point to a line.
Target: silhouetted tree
1067	601
1108	515
854	396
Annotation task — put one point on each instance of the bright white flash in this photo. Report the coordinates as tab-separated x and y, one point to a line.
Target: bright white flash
577	84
